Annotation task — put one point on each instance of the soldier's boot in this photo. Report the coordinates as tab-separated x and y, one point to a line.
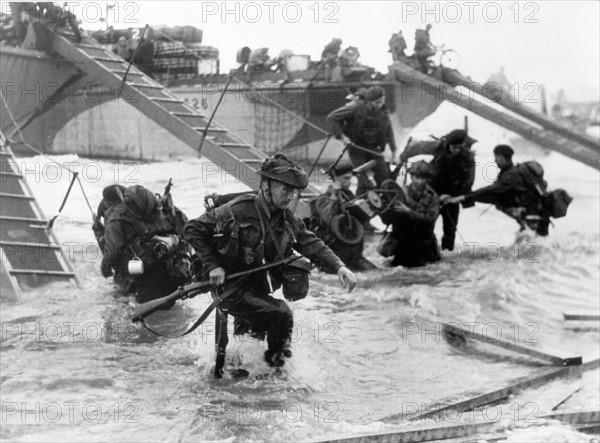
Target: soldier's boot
447	243
276	358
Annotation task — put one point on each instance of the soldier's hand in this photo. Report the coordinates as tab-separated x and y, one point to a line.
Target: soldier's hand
445	198
106	271
458	199
399	206
347	278
217	276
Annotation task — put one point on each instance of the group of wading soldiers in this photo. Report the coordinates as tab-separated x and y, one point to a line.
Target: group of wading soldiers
240	233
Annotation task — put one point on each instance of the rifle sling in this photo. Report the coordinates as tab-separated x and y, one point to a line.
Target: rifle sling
226	294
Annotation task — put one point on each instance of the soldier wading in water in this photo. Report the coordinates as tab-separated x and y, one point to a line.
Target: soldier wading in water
253	230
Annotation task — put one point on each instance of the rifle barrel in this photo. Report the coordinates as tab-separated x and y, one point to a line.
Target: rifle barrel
145	309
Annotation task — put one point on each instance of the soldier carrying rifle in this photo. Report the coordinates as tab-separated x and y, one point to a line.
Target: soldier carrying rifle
252	230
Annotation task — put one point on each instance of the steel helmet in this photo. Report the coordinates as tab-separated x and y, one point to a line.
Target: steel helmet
111	193
281	169
420	168
139	201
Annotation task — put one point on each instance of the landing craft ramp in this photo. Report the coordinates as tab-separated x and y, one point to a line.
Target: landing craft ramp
227	151
30	253
530	125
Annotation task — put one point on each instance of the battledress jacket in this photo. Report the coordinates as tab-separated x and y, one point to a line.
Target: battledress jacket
424	207
509	190
367	127
232	237
453	175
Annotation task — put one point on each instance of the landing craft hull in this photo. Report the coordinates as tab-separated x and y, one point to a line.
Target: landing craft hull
98	123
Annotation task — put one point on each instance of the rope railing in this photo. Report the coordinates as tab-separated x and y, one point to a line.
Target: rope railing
51	160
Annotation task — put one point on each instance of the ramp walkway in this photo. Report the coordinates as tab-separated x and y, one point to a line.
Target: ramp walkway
532	126
227	151
30	254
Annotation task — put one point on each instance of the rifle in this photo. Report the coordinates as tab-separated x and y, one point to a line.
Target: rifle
168	187
399	167
193	289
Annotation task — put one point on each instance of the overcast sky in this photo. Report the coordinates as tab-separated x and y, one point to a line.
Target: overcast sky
555	43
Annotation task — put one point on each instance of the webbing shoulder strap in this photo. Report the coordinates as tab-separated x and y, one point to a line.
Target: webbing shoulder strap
270	231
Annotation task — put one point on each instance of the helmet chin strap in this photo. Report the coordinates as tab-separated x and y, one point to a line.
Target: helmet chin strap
266	191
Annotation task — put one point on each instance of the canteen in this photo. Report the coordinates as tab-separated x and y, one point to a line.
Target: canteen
135	266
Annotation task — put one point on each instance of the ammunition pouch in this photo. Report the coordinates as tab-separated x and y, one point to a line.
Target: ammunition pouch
295	279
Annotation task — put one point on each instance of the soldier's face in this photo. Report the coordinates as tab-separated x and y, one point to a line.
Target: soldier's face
501	161
378	103
419	182
282	194
455	149
345	181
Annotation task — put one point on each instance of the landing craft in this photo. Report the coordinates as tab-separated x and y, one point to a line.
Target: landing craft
285	98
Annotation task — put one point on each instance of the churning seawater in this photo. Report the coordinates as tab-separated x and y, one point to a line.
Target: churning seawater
74	368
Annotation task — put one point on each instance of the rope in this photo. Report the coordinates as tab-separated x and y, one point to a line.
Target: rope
51	222
51	160
132	59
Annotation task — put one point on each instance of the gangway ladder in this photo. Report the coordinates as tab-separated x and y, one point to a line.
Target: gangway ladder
543	135
30	252
228	152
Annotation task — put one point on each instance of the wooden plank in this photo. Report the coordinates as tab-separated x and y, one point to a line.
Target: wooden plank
499	394
36	271
580	317
422	434
564	399
29	245
573	417
18	196
472	335
141	86
10	174
168	100
24	220
11	289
